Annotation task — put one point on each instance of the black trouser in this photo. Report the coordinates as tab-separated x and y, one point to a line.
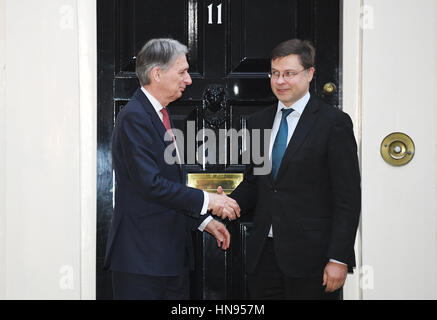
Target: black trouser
128	286
269	282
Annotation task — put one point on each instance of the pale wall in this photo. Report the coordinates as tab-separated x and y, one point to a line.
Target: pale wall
48	239
399	93
2	153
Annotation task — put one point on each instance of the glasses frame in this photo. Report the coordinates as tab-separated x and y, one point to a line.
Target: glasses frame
293	75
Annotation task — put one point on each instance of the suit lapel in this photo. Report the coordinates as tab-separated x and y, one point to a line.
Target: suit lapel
181	173
303	127
269	117
267	124
156	121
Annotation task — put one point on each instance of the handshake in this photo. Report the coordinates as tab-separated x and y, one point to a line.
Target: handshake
223	206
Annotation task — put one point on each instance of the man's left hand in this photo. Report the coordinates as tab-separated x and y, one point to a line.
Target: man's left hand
220	233
334	276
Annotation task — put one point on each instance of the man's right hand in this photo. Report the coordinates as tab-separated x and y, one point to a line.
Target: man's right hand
223	206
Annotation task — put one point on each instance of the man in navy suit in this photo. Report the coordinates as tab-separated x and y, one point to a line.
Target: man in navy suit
149	248
307	209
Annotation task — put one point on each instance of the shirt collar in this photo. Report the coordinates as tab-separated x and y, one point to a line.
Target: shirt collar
298	106
155	103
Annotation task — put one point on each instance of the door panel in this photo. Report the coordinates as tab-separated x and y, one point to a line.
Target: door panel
229	44
250	44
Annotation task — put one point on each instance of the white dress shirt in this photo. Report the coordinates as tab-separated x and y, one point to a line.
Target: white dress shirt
157	106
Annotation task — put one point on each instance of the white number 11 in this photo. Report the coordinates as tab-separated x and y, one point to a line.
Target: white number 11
219	14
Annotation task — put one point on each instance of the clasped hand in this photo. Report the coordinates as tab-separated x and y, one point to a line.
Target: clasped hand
223	206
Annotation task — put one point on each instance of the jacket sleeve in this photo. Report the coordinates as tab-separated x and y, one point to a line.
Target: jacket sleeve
346	189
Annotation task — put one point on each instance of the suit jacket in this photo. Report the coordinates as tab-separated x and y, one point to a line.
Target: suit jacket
314	205
154	209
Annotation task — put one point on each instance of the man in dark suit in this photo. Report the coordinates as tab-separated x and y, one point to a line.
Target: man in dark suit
149	248
307	208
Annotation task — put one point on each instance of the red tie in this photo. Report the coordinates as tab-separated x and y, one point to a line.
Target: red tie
166	120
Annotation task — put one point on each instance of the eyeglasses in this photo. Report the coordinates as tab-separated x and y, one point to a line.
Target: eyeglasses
287	75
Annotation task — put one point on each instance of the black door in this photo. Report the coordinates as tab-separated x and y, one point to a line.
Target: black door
229	42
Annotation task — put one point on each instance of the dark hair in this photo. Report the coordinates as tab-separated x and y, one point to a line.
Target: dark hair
303	48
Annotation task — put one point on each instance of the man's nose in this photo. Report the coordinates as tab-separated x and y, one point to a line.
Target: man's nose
280	80
188	80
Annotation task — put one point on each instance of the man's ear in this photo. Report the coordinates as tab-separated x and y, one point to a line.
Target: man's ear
155	74
311	72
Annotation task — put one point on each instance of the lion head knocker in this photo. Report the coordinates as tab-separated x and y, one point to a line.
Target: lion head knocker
214	105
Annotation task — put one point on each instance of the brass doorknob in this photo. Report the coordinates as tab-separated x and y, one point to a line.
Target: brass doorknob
397	149
329	88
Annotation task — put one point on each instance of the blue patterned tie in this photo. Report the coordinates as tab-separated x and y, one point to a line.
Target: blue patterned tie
280	143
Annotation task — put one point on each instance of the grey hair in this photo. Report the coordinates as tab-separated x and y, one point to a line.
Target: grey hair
159	53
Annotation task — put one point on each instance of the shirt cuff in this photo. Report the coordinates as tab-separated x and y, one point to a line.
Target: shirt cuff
205	223
205	203
336	261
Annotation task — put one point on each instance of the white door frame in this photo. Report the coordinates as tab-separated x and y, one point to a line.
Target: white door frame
87	35
351	64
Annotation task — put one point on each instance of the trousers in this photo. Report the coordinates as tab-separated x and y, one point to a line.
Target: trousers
268	282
